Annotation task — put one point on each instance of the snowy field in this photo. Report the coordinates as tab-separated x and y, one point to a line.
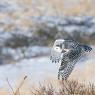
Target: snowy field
40	68
36	69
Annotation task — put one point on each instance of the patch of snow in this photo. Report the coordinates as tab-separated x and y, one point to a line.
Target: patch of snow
40	69
24	52
33	68
4	36
8	7
71	28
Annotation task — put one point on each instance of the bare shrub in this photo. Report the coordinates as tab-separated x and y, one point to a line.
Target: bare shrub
67	88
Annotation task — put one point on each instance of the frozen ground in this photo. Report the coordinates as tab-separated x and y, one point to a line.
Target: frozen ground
36	69
40	69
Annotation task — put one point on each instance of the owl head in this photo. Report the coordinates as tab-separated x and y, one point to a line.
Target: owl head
60	47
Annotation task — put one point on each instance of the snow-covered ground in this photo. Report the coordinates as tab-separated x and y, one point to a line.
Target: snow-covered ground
40	68
36	69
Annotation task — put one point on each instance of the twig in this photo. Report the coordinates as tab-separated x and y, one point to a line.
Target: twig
22	82
10	86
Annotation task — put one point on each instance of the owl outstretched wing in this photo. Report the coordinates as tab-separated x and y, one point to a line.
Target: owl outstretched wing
69	57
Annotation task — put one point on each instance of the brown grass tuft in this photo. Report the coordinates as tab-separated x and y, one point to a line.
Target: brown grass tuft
66	88
70	87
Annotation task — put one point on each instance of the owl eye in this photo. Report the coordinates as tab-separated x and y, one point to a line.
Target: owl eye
59	45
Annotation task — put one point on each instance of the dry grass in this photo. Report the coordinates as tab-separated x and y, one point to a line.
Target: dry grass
63	88
52	8
66	7
66	88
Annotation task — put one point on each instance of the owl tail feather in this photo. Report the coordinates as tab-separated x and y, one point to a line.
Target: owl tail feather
87	48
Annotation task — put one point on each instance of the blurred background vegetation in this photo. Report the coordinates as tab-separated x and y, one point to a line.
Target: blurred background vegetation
28	23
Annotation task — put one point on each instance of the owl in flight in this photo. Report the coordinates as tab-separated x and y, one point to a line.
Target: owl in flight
67	52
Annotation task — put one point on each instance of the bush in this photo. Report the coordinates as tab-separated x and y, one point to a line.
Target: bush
66	88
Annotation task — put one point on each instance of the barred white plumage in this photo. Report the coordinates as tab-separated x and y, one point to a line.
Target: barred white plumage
67	52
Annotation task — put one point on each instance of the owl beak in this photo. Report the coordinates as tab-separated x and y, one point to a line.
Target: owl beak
65	50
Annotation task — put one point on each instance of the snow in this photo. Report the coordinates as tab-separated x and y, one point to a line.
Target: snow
8	7
36	69
23	52
69	24
40	68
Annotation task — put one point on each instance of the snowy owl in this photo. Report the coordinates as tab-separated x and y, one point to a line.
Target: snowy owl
67	53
